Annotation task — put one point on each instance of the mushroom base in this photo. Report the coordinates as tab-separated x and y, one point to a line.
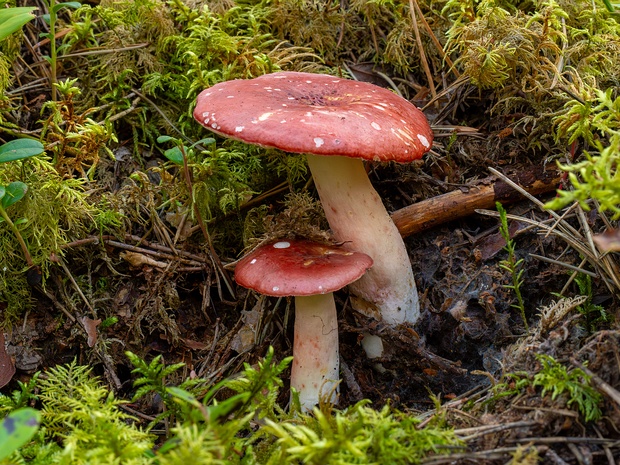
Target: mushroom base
358	218
316	358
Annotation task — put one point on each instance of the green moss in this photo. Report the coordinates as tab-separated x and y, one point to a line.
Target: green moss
54	212
83	423
80	413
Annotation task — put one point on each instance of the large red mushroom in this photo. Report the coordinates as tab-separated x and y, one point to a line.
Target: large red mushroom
311	272
338	123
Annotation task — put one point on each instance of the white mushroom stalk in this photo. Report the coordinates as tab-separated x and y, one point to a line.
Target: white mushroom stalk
316	359
358	217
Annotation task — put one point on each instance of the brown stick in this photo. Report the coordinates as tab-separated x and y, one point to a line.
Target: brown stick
461	203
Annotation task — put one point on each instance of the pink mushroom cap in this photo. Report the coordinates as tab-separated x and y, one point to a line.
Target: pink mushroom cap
318	114
300	268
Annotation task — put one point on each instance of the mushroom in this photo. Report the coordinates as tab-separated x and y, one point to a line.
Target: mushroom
311	272
338	123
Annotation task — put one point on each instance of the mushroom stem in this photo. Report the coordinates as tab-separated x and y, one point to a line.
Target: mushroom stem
315	349
358	217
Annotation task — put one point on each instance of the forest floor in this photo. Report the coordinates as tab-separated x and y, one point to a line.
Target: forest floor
151	285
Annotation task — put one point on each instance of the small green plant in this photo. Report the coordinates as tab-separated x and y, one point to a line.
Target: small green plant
512	265
178	153
597	177
15	191
556	379
19	398
152	380
211	177
79	139
593	314
51	18
215	431
10	194
256	390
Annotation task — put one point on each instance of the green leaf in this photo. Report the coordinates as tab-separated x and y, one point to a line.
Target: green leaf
223	409
58	6
19	149
12	19
205	141
14	192
2	191
162	139
17	429
183	395
174	155
167	446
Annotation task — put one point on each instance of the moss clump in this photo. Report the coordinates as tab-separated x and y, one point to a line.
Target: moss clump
83	423
54	212
534	57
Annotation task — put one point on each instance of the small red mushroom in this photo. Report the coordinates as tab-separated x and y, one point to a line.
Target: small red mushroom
311	272
338	123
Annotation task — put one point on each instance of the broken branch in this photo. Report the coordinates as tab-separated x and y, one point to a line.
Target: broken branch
463	202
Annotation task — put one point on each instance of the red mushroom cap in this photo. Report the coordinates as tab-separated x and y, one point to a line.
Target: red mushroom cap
318	114
300	268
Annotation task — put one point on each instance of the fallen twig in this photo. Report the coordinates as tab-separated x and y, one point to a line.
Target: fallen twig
567	440
476	457
461	203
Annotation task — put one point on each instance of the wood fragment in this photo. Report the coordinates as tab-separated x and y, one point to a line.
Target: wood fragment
457	204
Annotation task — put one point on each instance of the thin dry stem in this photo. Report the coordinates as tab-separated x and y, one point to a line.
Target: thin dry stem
427	69
431	34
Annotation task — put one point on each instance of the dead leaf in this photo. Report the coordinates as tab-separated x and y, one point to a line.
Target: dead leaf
137	260
180	219
90	326
493	243
609	241
7	368
194	345
245	339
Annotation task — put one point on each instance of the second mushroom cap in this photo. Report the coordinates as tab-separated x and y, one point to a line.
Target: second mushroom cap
300	268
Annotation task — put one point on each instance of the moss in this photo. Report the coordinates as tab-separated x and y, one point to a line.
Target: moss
54	212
